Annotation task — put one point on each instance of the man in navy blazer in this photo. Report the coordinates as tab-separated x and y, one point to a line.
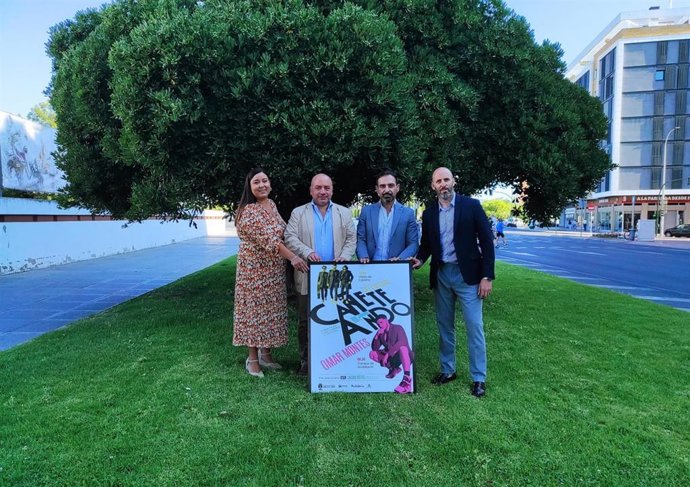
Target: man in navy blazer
457	236
387	230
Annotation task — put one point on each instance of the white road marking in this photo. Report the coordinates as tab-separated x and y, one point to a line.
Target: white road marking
581	252
621	287
659	298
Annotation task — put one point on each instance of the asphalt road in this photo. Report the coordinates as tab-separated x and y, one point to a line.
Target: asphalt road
656	271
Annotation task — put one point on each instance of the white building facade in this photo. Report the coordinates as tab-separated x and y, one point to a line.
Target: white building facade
639	67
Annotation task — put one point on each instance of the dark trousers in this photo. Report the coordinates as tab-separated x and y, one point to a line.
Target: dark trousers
302	336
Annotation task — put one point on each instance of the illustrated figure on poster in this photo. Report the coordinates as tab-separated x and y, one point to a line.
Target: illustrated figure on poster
334	282
17	160
346	278
322	284
391	349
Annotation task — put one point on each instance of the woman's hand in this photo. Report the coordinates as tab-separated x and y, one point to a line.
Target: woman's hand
299	264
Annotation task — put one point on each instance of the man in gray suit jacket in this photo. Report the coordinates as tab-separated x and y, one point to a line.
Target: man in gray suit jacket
387	230
318	231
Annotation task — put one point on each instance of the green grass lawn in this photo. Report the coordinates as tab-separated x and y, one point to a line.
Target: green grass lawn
585	387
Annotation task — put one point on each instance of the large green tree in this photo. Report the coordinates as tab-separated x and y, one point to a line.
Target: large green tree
164	105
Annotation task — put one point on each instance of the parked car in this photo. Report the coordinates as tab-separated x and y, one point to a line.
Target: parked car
678	231
511	224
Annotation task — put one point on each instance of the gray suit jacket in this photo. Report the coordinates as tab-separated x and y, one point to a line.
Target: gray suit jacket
299	237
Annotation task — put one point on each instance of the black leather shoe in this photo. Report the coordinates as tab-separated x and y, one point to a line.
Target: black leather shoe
478	389
443	378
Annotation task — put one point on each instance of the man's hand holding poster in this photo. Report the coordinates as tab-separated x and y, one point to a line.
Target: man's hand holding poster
361	327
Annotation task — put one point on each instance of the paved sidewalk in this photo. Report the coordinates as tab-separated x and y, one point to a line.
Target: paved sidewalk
39	301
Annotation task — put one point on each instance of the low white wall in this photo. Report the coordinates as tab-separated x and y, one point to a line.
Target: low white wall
33	245
27	206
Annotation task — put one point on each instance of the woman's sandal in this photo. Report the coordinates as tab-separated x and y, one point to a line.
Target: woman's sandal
269	365
260	373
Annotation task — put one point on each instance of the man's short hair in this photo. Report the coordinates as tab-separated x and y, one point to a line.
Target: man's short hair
386	172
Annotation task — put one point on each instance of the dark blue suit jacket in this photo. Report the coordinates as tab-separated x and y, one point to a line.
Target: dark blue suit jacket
404	240
473	239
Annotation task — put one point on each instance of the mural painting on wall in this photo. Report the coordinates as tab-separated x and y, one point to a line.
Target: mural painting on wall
26	156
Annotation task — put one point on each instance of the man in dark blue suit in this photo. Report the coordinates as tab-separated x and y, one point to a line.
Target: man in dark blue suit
387	230
457	235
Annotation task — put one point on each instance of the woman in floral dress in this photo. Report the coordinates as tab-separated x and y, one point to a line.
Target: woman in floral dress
260	317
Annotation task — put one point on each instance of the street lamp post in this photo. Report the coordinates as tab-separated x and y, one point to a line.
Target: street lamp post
662	203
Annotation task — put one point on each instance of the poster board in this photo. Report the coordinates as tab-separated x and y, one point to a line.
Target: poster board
361	327
26	161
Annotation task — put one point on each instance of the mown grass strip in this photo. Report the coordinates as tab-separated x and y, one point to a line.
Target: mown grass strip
586	387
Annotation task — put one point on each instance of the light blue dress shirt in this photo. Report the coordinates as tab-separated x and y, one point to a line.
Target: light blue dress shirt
323	232
383	242
445	220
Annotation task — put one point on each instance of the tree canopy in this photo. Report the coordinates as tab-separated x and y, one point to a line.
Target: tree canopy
44	114
498	208
164	105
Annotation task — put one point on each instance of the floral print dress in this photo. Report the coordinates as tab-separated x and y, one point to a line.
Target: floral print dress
260	317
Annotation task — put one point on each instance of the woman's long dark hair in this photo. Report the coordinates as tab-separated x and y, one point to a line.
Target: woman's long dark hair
247	197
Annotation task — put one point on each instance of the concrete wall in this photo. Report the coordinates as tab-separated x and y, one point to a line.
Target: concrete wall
33	245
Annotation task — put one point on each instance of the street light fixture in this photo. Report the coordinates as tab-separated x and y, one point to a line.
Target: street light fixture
663	183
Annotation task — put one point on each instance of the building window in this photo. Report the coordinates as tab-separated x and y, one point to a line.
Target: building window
661	52
683	51
680	123
670	77
655	180
659	75
676	178
608	88
678	152
656	153
683	77
607	65
608	133
657	128
659	103
681	101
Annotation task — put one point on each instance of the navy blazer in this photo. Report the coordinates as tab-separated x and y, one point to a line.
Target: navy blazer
473	239
404	240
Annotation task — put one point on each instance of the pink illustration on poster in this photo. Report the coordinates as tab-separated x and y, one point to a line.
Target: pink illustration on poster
361	326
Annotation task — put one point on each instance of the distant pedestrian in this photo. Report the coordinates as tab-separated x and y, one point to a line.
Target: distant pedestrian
499	233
